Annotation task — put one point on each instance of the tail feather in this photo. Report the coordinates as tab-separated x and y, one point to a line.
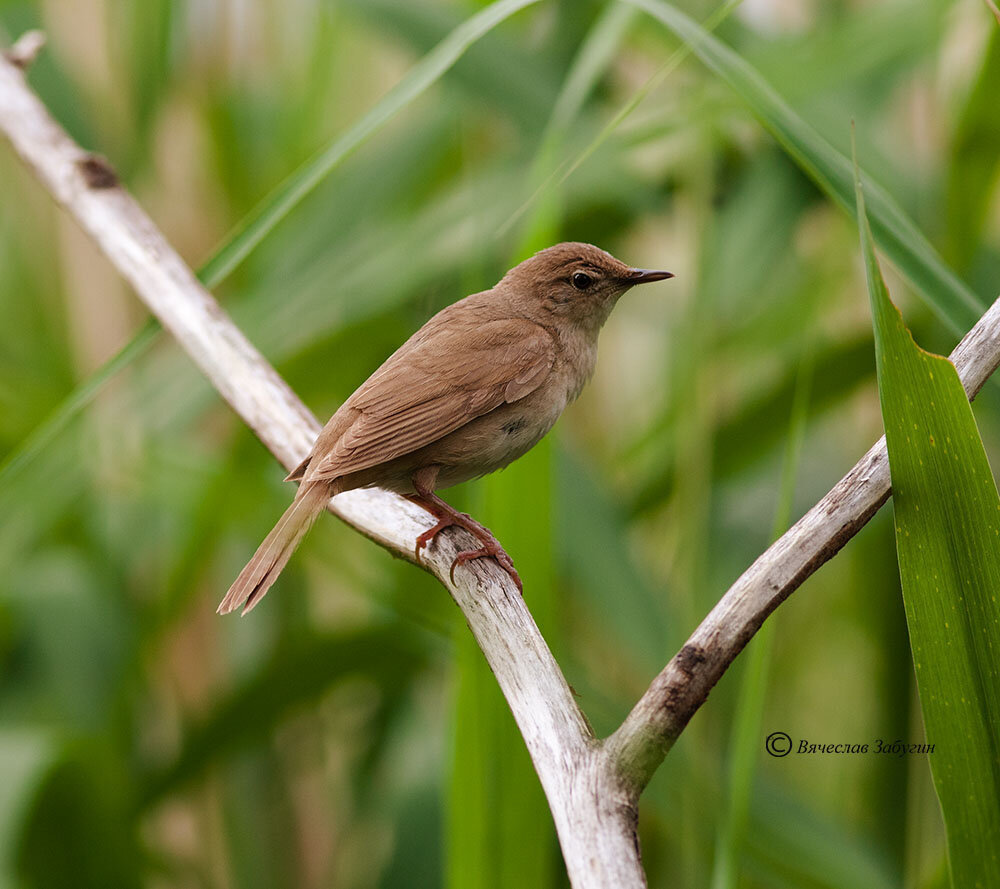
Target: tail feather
273	554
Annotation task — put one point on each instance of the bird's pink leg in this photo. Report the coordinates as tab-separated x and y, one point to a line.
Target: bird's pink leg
448	516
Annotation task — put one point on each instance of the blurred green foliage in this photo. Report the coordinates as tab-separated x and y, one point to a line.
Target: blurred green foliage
348	733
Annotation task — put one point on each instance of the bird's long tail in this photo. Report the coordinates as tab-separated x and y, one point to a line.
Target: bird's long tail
273	554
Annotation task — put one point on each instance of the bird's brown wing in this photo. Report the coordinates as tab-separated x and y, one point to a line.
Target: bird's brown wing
445	376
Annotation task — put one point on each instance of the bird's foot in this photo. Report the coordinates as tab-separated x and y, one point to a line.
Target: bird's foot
491	549
446	518
429	535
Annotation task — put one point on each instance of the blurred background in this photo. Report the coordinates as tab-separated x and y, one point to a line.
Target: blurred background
349	734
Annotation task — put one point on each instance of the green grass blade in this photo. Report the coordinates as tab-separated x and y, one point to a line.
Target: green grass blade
76	401
897	235
295	674
947	516
589	65
559	174
277	205
494	799
749	717
505	74
752	432
495	802
591	62
25	757
974	163
493	790
798	846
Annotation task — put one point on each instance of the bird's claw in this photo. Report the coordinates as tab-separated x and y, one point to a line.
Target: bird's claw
491	548
489	551
430	534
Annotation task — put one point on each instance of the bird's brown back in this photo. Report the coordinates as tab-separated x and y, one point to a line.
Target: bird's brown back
464	362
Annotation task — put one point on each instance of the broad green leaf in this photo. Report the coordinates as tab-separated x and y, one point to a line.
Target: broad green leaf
947	516
895	232
78	831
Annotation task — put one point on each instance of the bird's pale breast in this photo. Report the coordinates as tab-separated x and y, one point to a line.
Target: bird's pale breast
496	439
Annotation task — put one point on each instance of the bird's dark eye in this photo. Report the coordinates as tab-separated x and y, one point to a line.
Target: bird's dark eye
581	280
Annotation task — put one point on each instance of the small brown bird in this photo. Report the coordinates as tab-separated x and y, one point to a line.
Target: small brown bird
471	391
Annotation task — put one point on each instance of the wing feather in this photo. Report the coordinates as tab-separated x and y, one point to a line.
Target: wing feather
445	376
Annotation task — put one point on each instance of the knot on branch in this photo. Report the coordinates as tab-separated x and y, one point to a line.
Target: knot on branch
689	658
97	172
26	50
683	695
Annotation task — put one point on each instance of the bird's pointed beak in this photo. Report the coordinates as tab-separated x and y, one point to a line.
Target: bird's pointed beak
644	276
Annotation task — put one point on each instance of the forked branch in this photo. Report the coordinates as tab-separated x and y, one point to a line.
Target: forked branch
592	787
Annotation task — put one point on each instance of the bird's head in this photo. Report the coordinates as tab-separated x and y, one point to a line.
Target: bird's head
578	282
